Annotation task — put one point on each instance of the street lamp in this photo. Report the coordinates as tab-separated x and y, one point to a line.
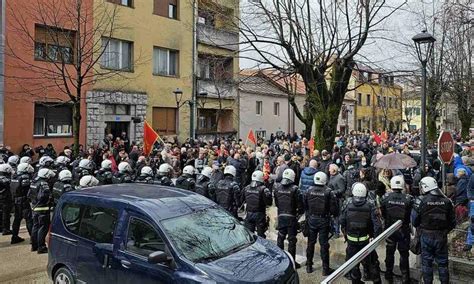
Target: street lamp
178	96
424	47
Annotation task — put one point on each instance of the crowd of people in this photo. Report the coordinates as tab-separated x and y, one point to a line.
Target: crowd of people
338	190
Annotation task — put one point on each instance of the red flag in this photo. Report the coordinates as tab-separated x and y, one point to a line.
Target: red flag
377	138
384	136
311	147
149	138
251	137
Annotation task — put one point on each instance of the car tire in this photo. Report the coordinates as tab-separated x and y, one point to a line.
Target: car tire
63	276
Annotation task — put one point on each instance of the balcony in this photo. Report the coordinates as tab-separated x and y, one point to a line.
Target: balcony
218	89
220	38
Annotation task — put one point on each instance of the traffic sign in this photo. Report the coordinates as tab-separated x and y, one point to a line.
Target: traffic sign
445	147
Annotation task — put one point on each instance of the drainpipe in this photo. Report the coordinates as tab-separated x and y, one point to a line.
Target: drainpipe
2	67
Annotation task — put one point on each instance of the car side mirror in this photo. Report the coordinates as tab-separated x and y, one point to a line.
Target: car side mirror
157	257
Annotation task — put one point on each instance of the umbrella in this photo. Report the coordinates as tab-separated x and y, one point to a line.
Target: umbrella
395	161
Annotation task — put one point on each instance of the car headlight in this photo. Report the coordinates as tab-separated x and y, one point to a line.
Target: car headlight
291	259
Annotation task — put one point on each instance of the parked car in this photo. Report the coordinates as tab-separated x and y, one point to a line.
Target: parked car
131	233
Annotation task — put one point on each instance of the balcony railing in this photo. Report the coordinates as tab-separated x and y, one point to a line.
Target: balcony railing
215	37
221	89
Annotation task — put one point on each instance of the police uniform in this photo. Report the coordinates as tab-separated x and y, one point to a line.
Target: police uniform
290	205
78	173
163	180
20	184
434	218
40	198
186	182
59	188
397	206
146	179
228	194
319	204
5	204
205	188
122	178
257	198
104	176
359	222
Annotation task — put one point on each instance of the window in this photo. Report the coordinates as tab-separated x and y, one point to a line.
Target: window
142	238
117	109
164	120
359	125
54	44
71	217
165	62
359	99
128	3
206	17
384	102
390	102
166	8
98	224
52	120
418	111
368	99
379	102
204	68
362	76
276	109
207	120
261	134
369	76
117	54
259	110
396	103
215	67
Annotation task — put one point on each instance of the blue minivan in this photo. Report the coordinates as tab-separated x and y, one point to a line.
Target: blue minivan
138	233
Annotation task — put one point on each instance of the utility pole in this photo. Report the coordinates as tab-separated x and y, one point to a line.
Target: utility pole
2	68
192	103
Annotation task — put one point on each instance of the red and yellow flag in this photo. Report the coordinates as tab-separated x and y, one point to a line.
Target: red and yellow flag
149	138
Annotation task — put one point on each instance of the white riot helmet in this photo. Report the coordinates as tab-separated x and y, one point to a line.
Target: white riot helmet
230	170
6	169
25	159
207	172
288	177
164	169
106	164
428	184
25	168
62	160
147	171
65	175
124	167
46	161
46	173
13	160
320	178
397	182
359	190
88	181
85	164
188	170
257	176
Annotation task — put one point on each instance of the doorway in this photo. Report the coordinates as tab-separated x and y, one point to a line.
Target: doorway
116	128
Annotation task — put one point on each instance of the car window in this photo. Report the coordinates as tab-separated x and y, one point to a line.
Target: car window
142	238
71	216
98	224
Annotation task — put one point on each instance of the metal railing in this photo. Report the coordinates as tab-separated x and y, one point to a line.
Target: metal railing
363	253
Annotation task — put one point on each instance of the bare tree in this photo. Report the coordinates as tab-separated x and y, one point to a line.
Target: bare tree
317	40
67	41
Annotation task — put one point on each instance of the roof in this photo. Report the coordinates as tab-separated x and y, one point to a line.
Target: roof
259	85
280	80
158	201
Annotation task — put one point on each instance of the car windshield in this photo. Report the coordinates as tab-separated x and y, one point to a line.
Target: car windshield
207	235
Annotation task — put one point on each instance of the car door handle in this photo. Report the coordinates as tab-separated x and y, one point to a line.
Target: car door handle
125	263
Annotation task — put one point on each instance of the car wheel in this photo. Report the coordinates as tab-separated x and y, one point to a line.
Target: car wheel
63	276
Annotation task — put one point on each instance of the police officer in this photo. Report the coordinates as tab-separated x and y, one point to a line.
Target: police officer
319	204
6	201
104	174
359	222
40	198
290	206
63	185
88	181
62	163
146	176
45	162
163	176
257	197
204	186
434	217
13	162
20	184
85	167
124	174
26	159
228	191
396	206
186	180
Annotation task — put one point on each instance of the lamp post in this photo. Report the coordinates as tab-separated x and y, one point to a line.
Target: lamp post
424	47
178	96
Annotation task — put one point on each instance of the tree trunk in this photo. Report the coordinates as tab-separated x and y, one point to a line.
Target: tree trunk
431	116
325	122
308	128
76	125
466	118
